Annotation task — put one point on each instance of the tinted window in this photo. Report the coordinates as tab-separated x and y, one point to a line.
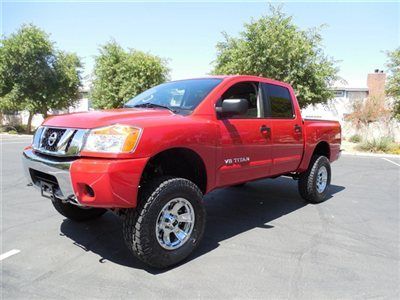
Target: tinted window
180	96
248	91
279	103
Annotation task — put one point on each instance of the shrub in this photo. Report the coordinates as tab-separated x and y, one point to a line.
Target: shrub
13	129
355	138
20	128
395	150
384	144
7	128
369	110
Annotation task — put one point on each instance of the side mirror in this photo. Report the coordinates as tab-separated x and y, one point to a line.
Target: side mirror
233	107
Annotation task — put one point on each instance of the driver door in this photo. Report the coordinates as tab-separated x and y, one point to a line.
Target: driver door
244	149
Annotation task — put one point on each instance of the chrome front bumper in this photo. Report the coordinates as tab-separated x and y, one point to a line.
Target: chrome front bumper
39	169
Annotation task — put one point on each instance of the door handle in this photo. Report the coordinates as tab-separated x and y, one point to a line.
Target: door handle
297	128
265	130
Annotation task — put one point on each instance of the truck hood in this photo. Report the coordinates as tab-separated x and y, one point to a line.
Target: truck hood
93	119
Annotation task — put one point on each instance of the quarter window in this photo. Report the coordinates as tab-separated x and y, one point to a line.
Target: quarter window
278	103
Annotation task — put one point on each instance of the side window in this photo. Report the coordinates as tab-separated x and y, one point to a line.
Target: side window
277	102
248	91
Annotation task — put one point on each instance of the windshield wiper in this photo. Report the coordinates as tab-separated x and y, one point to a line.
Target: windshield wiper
151	105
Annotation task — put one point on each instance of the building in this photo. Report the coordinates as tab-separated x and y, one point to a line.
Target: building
338	107
346	97
344	103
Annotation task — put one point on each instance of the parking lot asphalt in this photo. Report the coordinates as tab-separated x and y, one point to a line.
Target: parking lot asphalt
261	241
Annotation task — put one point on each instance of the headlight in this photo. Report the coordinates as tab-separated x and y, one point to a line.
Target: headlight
113	139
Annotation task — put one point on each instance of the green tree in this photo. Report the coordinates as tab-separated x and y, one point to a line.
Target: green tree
393	83
120	75
34	76
274	47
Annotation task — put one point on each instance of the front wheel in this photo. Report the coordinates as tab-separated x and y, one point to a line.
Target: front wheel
314	183
168	223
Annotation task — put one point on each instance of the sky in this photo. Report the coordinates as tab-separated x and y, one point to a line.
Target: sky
356	34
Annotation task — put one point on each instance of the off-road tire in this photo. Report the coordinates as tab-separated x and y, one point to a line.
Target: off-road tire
308	180
139	224
76	213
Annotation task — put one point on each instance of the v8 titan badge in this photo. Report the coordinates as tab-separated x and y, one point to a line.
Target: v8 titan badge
236	160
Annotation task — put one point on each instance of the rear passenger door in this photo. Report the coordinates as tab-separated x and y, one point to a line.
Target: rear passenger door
286	128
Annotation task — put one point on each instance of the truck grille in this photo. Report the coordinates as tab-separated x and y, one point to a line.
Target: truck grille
59	141
51	137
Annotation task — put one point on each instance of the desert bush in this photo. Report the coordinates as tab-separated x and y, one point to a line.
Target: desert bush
355	138
383	144
369	110
395	150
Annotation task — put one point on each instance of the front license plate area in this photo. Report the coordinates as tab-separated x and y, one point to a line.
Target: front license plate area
47	190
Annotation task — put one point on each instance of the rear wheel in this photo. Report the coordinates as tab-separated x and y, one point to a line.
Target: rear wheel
314	183
168	223
76	213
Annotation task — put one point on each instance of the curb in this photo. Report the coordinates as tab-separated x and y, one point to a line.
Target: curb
370	154
15	135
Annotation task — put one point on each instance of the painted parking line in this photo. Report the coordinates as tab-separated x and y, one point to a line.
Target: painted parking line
9	253
395	163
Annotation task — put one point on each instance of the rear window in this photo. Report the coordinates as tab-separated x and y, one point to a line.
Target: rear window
279	103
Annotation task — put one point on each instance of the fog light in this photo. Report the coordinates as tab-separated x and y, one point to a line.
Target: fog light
89	191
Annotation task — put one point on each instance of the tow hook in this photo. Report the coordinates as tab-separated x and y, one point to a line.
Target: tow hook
47	190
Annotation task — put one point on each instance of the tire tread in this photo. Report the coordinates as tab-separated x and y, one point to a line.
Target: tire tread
134	230
307	179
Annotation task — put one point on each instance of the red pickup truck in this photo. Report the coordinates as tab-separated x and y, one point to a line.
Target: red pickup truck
152	161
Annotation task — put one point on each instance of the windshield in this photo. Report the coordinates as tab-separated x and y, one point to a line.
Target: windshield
179	96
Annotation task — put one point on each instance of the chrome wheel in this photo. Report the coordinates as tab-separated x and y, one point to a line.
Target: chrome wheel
322	179
175	223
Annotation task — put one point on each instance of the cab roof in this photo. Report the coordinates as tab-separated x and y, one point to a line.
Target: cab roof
243	77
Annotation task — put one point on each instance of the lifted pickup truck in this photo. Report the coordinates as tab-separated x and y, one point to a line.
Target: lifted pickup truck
152	161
